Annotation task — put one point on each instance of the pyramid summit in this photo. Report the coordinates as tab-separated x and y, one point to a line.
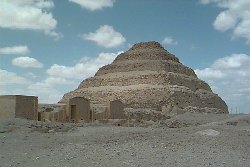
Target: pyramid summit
149	77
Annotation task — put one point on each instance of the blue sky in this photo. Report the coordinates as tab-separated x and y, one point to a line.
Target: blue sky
47	47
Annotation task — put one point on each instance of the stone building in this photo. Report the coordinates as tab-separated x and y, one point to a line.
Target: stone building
79	109
18	106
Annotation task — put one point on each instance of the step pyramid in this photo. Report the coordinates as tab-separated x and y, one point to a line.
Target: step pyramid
148	76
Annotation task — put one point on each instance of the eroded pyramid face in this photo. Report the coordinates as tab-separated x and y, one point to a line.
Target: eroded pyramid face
147	76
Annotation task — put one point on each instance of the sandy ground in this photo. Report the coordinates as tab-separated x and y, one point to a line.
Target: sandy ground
183	141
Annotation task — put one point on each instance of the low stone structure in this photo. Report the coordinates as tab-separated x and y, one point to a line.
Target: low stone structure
117	110
19	106
53	112
79	109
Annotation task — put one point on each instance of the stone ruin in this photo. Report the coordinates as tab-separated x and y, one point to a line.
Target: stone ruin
146	78
53	112
18	106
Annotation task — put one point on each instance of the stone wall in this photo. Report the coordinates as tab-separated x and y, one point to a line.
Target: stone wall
7	106
27	107
79	108
19	106
117	110
53	112
99	111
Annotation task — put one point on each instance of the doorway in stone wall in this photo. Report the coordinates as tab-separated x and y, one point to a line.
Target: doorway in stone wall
73	112
39	116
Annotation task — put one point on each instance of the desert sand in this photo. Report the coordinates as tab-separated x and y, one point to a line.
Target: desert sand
183	140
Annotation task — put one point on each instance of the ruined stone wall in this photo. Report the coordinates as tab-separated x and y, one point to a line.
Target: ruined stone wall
45	116
53	112
99	111
117	110
27	107
19	106
82	109
61	116
7	106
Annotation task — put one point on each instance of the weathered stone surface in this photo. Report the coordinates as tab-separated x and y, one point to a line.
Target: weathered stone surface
148	76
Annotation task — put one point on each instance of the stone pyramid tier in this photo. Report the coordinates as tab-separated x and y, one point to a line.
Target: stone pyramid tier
148	76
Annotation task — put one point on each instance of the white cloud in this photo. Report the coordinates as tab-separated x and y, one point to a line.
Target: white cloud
229	67
11	78
94	4
30	75
28	15
230	76
232	62
49	90
205	2
169	41
105	36
69	76
49	83
20	50
209	73
26	62
60	79
86	68
235	17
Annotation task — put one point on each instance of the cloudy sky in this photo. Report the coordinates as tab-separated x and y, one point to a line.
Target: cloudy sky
47	47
